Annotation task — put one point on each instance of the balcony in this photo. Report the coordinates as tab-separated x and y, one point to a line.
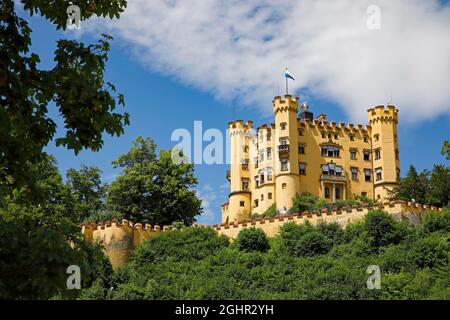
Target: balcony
283	148
332	177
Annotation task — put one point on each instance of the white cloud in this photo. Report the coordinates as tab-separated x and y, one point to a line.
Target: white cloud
239	49
208	196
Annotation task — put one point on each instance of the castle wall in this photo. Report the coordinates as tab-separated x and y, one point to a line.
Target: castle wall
119	239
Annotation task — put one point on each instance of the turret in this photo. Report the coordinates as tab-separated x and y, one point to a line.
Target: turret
386	160
239	207
286	153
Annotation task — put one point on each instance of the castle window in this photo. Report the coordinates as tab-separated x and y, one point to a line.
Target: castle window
376	137
262	197
269	196
245	149
302	169
261	179
261	138
242	203
257	181
269	153
284	164
337	193
283	126
323	135
354	173
331	151
366	155
367	175
301	149
269	137
377	154
261	156
353	154
336	137
245	183
352	137
327	192
300	132
255	203
284	186
269	174
379	174
366	139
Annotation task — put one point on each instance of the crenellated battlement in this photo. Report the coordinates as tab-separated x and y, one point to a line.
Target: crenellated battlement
379	113
289	103
120	238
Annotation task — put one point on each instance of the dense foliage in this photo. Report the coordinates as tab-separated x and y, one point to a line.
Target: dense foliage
154	189
86	102
303	262
431	188
252	239
40	237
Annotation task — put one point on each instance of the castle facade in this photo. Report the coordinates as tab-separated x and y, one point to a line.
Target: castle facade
299	153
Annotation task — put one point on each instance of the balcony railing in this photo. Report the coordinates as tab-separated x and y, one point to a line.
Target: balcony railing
283	148
332	177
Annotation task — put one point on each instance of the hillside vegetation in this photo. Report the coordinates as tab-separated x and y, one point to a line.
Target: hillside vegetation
302	262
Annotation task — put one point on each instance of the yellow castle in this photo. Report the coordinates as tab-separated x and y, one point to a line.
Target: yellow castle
299	153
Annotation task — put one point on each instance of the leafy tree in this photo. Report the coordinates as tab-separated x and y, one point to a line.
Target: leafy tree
436	221
446	149
40	238
154	189
88	189
413	186
252	239
76	84
382	230
306	202
439	191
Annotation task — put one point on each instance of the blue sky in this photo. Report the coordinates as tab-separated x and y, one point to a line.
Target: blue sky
160	102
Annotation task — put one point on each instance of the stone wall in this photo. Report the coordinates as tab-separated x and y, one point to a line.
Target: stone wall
120	238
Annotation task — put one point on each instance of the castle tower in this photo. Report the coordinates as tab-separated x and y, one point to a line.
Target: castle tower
385	150
286	153
239	207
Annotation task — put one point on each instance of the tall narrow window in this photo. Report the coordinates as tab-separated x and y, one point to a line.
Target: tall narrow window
377	154
301	149
367	175
354	173
283	126
327	192
302	169
353	154
337	191
284	164
352	137
269	153
245	183
269	174
269	196
379	174
366	155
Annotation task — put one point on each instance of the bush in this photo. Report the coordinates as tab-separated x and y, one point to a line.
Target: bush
436	221
252	239
382	230
306	202
190	244
303	240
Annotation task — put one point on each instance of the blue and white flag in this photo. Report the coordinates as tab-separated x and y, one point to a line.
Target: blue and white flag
289	75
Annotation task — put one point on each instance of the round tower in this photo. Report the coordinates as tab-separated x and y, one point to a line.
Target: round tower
286	154
239	206
385	150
